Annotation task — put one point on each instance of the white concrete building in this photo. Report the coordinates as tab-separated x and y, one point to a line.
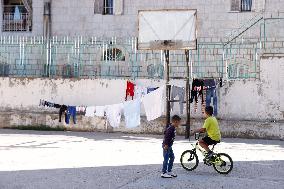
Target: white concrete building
110	18
251	103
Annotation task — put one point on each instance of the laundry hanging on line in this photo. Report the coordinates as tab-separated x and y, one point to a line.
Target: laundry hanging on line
179	92
132	110
140	91
71	113
210	88
100	111
151	89
67	111
90	111
129	90
113	114
154	104
197	92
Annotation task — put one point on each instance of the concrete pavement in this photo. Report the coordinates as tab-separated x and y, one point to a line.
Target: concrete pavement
64	160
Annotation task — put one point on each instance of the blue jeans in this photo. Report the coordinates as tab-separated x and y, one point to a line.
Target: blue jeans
71	112
211	93
169	158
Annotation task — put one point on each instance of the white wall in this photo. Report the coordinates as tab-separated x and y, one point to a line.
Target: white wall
238	100
256	100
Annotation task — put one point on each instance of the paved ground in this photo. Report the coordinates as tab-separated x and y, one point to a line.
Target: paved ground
59	160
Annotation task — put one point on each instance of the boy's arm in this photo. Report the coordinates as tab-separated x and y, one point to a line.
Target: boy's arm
203	129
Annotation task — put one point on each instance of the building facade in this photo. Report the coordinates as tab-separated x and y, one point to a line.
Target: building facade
67	50
109	18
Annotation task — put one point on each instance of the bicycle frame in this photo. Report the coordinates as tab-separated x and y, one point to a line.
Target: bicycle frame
196	146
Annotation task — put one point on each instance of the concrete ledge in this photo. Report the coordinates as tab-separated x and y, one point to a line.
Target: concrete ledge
229	128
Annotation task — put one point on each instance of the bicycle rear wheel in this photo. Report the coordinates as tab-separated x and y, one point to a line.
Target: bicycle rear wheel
189	160
223	163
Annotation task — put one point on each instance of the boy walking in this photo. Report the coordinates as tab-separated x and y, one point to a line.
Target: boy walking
168	153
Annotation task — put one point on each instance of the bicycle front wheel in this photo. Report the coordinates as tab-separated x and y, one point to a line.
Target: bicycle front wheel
223	163
189	160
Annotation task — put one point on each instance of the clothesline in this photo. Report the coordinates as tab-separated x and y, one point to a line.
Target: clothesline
153	103
151	97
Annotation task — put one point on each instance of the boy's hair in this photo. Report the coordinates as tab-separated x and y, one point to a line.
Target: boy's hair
176	118
209	110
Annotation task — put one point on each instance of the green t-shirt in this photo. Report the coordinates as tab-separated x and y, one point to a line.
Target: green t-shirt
212	128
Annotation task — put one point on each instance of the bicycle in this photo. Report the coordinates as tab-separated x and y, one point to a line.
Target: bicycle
222	163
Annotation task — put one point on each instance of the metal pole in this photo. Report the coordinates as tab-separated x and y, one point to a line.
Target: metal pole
168	87
187	130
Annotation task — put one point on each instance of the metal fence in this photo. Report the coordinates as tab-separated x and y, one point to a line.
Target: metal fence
91	57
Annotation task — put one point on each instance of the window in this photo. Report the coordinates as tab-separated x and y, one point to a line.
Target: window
17	15
113	54
235	5
246	5
108	7
241	5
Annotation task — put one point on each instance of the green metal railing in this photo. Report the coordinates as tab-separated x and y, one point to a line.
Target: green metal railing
91	57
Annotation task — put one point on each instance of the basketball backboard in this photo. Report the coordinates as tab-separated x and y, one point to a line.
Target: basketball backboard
170	29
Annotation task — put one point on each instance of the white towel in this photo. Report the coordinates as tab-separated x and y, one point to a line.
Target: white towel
154	104
132	111
100	111
113	113
90	111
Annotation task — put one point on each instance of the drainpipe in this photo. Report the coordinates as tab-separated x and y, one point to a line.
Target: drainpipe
47	35
47	19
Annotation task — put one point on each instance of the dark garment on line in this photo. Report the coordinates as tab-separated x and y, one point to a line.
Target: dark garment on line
62	110
49	104
197	90
57	106
151	89
170	134
71	112
41	102
209	83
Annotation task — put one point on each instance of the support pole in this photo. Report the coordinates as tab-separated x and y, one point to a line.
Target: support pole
168	87
187	129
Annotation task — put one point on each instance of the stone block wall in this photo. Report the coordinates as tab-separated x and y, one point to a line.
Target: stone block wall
75	18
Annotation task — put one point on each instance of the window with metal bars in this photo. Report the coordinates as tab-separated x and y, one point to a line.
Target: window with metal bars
241	5
246	5
113	54
108	7
17	15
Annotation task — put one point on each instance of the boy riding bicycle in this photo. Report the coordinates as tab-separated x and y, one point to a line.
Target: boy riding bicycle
211	127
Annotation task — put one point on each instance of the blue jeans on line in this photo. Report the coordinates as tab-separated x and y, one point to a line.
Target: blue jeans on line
211	93
169	158
71	112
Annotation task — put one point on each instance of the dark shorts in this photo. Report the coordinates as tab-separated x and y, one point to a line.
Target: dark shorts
209	141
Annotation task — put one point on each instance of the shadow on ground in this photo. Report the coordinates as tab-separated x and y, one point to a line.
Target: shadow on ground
254	174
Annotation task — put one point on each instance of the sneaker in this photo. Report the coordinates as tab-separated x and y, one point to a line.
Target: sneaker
166	175
172	174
